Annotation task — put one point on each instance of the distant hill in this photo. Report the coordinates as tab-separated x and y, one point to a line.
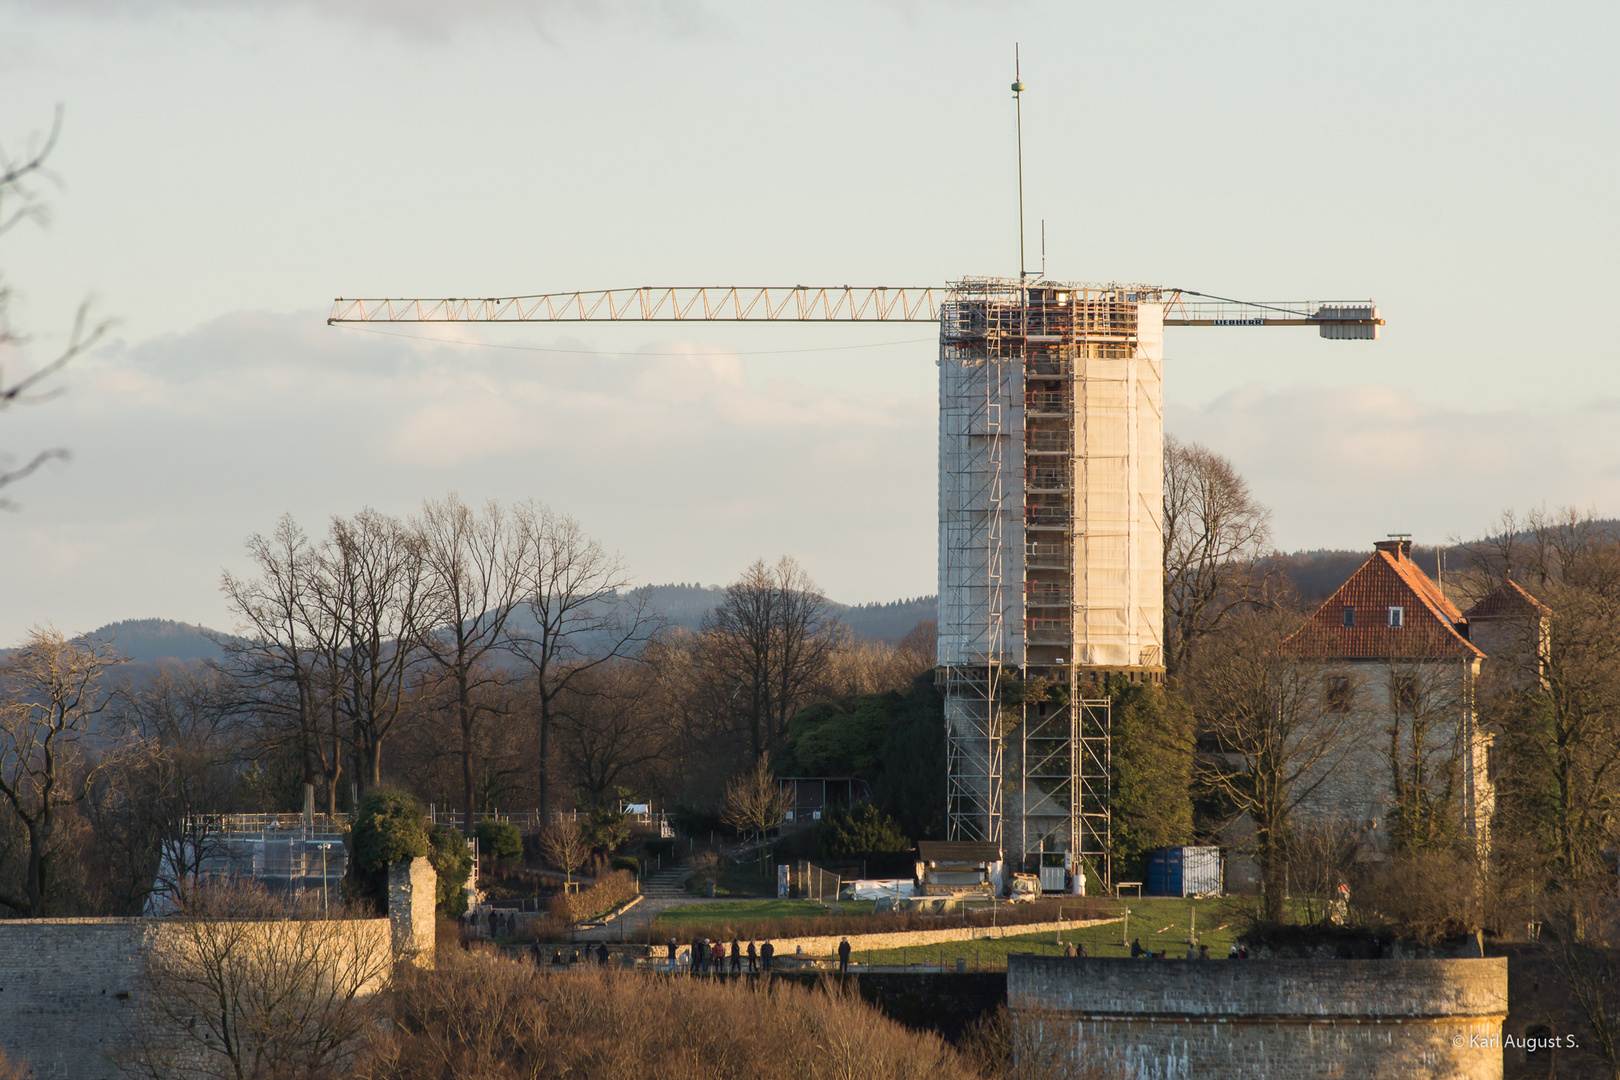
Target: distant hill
151	640
889	622
160	639
687	605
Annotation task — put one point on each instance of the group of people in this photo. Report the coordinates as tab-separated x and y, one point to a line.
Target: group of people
1194	952
705	957
599	955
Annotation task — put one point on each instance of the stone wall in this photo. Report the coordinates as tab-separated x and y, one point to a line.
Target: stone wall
827	945
70	989
1356	790
1268	1019
413	890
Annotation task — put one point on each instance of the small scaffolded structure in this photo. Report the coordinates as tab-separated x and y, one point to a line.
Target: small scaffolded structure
959	868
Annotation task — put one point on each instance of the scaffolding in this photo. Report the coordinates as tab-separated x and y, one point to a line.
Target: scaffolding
1051	530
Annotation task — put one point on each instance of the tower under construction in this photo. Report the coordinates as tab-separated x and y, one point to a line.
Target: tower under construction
1050	552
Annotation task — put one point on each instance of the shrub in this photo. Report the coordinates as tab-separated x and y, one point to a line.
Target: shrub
858	830
609	828
389	827
500	840
453	863
627	862
479	1016
565	910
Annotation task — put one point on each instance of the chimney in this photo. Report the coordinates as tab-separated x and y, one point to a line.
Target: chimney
1399	546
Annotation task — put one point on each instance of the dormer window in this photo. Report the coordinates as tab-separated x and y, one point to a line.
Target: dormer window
1397	617
1349	617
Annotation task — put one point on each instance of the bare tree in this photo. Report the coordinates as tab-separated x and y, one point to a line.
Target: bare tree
581	615
608	729
276	663
1424	754
244	986
565	846
694	702
19	202
476	574
1269	742
370	589
754	802
770	642
50	691
154	816
1560	729
1215	533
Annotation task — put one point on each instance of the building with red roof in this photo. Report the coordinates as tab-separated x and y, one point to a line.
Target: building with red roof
1398	669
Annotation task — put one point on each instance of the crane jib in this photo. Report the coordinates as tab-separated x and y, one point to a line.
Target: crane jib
1343	320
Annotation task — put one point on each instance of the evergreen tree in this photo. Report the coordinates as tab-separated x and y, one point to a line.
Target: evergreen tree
1150	772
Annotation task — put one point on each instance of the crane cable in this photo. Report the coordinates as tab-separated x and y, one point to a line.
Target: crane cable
600	352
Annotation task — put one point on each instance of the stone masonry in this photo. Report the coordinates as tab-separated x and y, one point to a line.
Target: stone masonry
70	988
412	893
1267	1019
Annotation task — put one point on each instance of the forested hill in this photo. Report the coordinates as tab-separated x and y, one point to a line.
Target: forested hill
160	639
151	640
686	605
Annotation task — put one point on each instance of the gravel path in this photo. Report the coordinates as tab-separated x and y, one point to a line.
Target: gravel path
659	893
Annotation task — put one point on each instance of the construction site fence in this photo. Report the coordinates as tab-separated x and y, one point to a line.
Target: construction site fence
561	957
335	825
535	820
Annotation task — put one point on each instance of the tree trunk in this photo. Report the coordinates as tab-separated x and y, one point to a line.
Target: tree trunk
1273	879
545	759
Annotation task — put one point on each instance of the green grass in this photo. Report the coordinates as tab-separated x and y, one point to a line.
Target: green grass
736	881
1161	923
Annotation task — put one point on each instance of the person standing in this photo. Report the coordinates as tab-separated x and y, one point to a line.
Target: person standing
1136	949
672	950
736	956
766	951
753	958
843	957
602	954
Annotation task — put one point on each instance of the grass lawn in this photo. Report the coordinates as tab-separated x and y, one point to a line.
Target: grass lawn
736	881
1161	923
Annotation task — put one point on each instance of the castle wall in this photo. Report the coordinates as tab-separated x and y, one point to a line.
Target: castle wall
71	990
1267	1019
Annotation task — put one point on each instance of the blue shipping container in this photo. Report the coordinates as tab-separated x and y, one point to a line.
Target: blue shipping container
1184	871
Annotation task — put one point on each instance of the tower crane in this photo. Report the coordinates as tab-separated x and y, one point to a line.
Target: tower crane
1051	520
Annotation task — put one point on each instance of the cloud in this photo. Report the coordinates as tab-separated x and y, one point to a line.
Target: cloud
691	464
1341	466
423	17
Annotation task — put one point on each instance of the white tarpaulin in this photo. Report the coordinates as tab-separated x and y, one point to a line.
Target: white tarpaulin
876	888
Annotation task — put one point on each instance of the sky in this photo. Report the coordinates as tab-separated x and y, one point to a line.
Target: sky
225	170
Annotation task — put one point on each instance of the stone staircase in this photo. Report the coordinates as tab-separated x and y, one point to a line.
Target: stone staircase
665	884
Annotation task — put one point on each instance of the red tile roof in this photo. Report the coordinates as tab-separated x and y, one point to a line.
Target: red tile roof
1508	601
1432	627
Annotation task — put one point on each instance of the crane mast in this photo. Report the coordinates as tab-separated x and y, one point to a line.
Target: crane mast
1051	523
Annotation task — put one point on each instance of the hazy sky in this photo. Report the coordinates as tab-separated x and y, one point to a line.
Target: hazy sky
227	169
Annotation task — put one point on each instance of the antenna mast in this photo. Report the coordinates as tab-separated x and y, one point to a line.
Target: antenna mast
1018	105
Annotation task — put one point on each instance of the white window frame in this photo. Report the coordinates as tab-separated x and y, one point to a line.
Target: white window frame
1397	616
